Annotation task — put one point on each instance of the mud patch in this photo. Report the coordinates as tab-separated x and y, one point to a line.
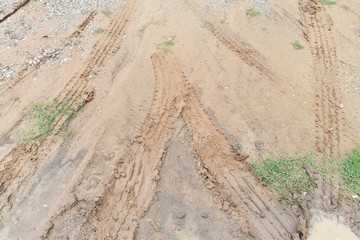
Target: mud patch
34	203
184	208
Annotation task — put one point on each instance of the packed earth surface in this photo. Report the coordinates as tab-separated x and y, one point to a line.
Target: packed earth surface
140	119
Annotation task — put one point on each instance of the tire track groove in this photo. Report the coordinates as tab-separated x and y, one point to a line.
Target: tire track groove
115	213
330	121
14	10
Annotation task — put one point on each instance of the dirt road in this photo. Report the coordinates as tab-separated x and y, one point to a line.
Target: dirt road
168	102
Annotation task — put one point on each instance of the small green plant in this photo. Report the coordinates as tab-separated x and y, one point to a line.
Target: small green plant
208	25
8	31
297	45
350	170
329	2
167	43
42	118
99	30
251	12
285	175
106	12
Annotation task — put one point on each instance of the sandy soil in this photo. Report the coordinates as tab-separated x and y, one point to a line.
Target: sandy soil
162	143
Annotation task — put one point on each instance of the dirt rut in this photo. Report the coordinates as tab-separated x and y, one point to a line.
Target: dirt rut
330	120
16	8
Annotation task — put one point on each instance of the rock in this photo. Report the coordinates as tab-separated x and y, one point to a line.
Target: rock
118	175
226	206
88	95
82	212
179	215
259	145
204	215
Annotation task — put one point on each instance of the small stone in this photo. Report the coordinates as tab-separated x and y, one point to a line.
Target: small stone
45	206
259	145
179	215
118	175
157	178
82	212
226	206
204	215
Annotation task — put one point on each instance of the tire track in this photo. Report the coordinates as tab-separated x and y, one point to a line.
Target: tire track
115	212
284	15
244	50
14	10
348	9
20	165
329	117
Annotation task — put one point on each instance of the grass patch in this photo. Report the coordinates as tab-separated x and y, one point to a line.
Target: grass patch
350	170
106	12
297	45
8	31
288	175
251	12
285	175
329	2
328	168
99	30
167	43
42	118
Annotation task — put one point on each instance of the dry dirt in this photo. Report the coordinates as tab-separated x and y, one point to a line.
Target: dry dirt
162	143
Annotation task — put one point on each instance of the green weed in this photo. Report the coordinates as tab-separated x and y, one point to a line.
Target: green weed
106	12
8	31
297	45
251	12
99	30
167	43
329	2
